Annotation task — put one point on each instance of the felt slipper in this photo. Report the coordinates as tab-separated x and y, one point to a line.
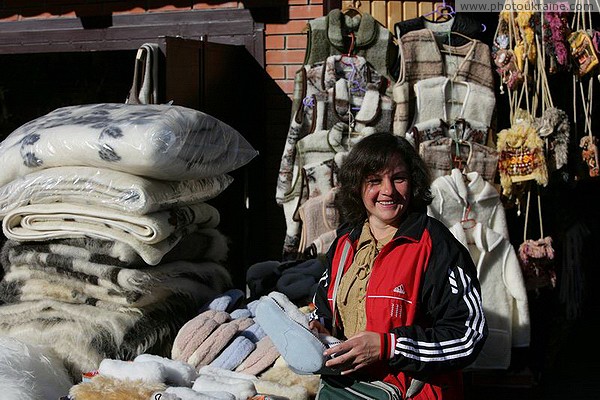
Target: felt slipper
287	327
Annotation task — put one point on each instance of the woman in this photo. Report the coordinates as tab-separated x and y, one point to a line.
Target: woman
405	292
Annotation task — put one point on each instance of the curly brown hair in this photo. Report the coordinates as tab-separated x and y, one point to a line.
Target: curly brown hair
371	155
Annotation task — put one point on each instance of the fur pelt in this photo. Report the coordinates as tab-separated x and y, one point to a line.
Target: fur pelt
281	373
107	388
31	372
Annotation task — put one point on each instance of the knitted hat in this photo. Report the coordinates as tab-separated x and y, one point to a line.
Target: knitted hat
260	359
234	353
216	341
262	277
194	332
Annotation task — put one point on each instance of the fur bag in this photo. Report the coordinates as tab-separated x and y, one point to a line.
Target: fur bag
553	127
536	256
537	263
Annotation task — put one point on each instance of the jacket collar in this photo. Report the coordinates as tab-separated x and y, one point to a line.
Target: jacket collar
411	228
364	29
467	188
484	238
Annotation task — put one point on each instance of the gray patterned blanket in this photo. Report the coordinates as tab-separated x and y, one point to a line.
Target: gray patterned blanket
92	269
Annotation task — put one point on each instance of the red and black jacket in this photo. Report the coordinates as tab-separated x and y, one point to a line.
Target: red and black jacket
423	297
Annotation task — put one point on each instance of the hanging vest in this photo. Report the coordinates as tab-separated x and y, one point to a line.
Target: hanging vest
460	110
340	90
327	36
421	59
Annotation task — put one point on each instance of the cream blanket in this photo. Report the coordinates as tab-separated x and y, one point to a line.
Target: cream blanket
153	140
151	235
107	188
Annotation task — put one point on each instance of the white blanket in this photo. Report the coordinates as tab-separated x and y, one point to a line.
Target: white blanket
107	188
152	140
151	235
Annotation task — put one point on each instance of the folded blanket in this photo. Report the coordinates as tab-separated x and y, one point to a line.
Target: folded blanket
107	188
98	257
83	335
153	140
69	259
151	235
28	282
26	286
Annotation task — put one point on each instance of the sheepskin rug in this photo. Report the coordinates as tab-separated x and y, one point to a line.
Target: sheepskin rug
31	372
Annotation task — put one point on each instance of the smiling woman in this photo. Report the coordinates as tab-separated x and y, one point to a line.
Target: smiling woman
400	291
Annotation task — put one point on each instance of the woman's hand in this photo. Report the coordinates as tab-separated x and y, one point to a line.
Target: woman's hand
357	352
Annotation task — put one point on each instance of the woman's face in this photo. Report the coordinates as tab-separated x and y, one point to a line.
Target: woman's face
386	194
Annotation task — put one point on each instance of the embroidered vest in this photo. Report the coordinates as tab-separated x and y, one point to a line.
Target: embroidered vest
421	59
342	89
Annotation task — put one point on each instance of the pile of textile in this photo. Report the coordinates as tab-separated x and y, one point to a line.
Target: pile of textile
111	245
221	353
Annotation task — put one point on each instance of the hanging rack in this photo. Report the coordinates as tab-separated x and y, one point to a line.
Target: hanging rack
442	10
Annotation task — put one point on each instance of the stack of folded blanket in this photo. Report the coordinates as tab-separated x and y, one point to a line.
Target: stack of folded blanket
111	245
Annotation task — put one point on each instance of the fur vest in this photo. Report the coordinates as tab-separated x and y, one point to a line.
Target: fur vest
421	58
328	35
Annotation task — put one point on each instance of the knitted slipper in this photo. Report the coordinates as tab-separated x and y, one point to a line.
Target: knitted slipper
216	341
227	301
194	332
233	355
287	327
260	359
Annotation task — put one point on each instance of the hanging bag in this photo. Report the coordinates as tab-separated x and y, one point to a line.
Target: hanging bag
589	143
581	45
553	123
537	256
